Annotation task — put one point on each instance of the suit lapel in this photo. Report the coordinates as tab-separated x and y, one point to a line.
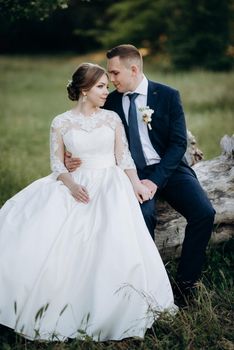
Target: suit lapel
152	102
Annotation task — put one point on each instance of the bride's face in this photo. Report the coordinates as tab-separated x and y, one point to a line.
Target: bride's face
97	95
120	75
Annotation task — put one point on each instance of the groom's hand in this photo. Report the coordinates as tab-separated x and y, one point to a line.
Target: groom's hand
151	186
71	163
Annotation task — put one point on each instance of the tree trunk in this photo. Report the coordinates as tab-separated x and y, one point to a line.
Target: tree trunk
217	179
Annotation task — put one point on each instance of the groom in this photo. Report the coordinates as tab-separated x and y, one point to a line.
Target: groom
157	143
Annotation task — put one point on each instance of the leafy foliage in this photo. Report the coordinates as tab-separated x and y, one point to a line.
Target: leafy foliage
38	9
192	33
199	33
140	22
195	33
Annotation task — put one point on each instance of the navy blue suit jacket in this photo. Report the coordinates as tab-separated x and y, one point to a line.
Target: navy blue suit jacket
168	135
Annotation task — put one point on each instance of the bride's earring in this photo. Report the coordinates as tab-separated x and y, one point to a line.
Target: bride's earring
84	98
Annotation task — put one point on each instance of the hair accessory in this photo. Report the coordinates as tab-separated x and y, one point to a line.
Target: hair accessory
69	83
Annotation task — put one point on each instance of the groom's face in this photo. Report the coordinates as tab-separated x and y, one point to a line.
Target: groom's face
120	74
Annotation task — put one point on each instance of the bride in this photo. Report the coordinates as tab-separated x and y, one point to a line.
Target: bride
76	256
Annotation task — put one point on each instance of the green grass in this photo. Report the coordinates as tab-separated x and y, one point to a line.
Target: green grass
33	91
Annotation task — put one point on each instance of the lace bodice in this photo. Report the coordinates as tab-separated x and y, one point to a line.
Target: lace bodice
99	135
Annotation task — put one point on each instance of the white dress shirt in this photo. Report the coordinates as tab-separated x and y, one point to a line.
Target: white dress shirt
151	156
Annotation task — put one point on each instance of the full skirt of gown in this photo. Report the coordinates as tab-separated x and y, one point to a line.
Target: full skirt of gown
69	269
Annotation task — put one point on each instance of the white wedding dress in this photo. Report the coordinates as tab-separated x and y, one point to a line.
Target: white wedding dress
69	269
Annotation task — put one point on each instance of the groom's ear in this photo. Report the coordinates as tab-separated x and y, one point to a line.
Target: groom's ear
134	69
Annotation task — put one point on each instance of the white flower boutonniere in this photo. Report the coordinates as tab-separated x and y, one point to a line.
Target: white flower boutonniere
146	115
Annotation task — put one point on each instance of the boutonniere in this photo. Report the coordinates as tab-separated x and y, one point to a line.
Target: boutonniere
146	115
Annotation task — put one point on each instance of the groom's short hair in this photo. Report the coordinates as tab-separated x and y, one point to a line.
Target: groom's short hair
126	52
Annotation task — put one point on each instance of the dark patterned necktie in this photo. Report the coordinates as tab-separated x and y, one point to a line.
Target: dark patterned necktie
134	136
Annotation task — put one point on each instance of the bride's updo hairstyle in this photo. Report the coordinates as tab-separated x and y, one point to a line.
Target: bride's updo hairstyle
83	79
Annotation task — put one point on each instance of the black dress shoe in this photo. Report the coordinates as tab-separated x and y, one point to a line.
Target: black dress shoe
184	294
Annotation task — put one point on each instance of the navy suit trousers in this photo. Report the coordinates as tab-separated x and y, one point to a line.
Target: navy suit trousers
185	194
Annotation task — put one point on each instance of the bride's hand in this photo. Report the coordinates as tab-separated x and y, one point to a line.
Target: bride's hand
80	193
142	192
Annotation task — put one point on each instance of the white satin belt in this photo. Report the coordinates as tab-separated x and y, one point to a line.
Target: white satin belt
98	162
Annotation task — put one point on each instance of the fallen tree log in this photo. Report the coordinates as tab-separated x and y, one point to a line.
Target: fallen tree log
217	179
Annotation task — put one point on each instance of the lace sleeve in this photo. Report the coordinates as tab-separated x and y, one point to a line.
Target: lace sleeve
56	150
122	153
